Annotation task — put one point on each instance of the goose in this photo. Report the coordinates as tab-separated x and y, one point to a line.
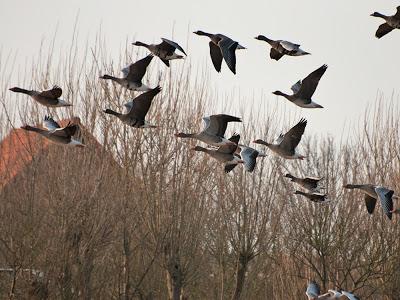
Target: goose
133	75
214	130
224	154
48	98
304	89
57	134
280	48
315	197
222	47
372	193
135	117
391	22
333	294
165	50
287	143
309	183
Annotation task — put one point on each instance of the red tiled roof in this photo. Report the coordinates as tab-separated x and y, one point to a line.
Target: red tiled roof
19	148
16	151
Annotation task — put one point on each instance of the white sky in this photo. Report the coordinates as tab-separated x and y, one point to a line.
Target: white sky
339	33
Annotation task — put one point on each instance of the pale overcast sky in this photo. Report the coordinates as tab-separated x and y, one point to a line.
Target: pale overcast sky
338	33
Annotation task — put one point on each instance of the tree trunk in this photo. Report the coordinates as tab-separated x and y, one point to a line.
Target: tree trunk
174	282
241	275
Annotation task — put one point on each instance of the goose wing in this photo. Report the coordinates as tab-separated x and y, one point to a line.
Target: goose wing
53	93
310	83
141	104
228	48
50	124
229	167
397	15
171	45
230	149
296	87
383	29
289	46
275	54
136	71
350	295
216	124
249	155
313	290
216	56
309	179
385	195
67	131
292	138
370	203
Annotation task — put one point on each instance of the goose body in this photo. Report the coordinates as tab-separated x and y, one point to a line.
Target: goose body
304	89
133	75
60	135
315	197
391	22
48	98
286	144
214	130
224	154
309	183
280	48
139	106
222	47
372	194
165	50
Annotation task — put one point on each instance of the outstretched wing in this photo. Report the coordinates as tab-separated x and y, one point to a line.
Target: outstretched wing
310	83
249	155
230	149
54	93
385	195
383	29
172	45
275	54
228	49
50	124
296	87
216	56
229	167
141	104
137	70
289	46
292	138
313	290
216	124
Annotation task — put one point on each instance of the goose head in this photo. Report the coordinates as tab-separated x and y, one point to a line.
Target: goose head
278	93
261	142
199	32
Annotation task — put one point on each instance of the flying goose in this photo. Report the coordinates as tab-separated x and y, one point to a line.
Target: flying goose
60	135
315	197
280	48
287	143
133	75
391	22
47	98
222	47
304	89
372	193
214	130
309	183
224	154
135	117
165	50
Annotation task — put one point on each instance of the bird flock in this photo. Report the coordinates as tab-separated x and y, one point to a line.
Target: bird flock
228	151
